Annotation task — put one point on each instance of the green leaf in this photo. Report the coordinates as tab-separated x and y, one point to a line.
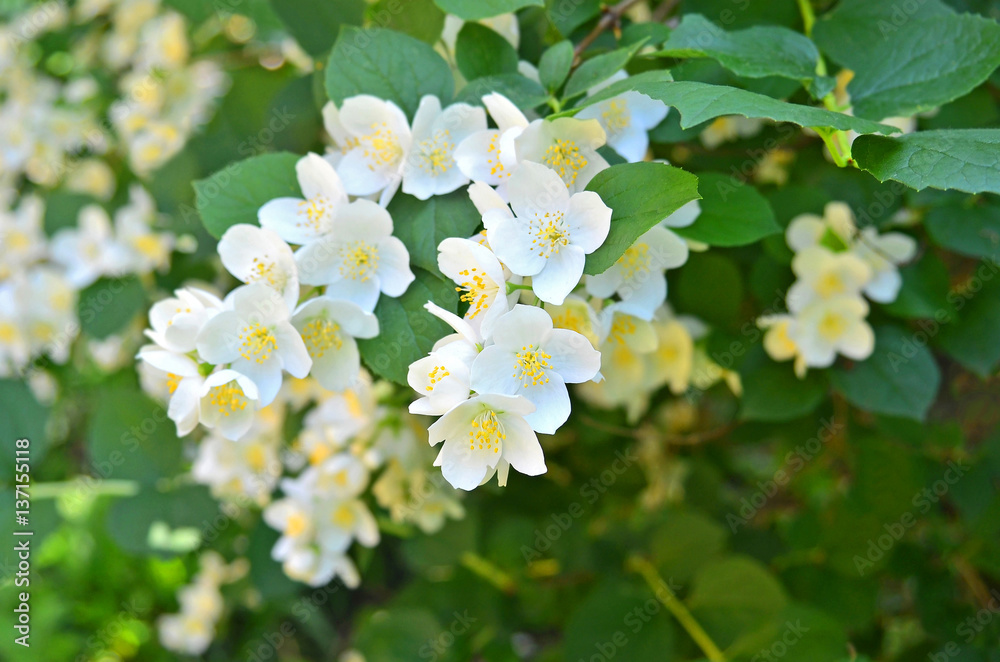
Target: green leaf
315	24
962	159
640	196
598	69
234	194
386	64
422	19
701	102
902	67
568	16
772	392
924	293
109	304
710	286
971	231
523	92
732	213
683	541
189	509
396	633
473	10
423	224
607	618
756	52
21	417
555	65
480	52
406	330
974	341
899	379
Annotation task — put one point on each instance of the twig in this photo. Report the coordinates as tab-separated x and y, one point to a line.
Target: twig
611	17
663	11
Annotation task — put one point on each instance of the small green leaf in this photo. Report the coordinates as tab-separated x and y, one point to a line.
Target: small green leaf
474	10
974	341
772	392
21	417
600	622
924	293
701	102
234	194
756	52
406	330
386	64
962	159
732	213
555	65
423	224
481	52
130	520
971	231
640	196
598	69
568	16
899	379
523	92
109	304
422	19
315	24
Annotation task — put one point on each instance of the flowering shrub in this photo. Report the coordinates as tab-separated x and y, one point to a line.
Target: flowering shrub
715	282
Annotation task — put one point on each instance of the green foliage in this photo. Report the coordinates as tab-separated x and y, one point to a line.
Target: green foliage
473	10
480	52
108	305
426	223
386	64
555	64
523	91
315	25
598	69
725	199
640	196
234	194
422	19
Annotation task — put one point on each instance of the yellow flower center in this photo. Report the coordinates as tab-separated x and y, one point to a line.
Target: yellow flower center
258	343
228	398
487	432
360	260
830	284
477	289
634	261
315	209
256	458
296	525
617	117
173	381
832	326
493	156
550	234
565	158
267	272
343	517
381	147
622	326
437	374
8	333
436	154
320	335
531	365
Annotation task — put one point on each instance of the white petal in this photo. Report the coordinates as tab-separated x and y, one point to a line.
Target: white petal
318	178
521	448
589	220
561	274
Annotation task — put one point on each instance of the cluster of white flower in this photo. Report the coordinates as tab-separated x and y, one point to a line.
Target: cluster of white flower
47	124
191	630
836	266
40	277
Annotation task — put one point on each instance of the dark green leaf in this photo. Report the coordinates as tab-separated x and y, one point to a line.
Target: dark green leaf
522	91
315	24
640	196
473	10
481	52
190	507
234	194
605	621
386	64
555	65
963	159
568	16
732	213
974	341
107	306
924	294
772	392
900	378
422	19
423	224
972	231
598	69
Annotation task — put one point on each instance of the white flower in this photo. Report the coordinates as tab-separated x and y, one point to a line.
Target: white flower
488	156
824	274
626	119
227	401
430	167
374	138
831	326
729	128
144	249
22	236
566	145
87	251
480	278
809	230
329	327
258	255
686	215
256	339
443	378
882	253
359	259
637	277
184	385
298	220
531	358
249	467
316	567
177	321
552	232
778	342
484	435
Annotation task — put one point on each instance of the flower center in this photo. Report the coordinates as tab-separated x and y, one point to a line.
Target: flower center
360	260
532	363
832	326
565	158
550	234
438	373
296	525
830	284
381	147
477	289
173	381
622	326
256	458
316	210
493	155
320	335
228	398
267	272
487	432
635	261
343	517
258	343
436	154
617	116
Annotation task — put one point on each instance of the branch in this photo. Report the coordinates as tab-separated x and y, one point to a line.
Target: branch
612	17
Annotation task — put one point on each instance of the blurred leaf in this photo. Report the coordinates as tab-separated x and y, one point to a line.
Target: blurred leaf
129	520
481	52
973	341
107	306
732	213
315	24
924	293
555	64
598	69
683	541
423	224
619	618
473	10
972	231
772	392
422	19
522	91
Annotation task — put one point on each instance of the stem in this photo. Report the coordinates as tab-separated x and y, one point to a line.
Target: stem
101	488
612	16
488	571
511	287
676	607
663	11
808	16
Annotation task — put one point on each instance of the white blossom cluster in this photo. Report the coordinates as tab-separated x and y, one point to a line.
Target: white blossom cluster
836	267
54	131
